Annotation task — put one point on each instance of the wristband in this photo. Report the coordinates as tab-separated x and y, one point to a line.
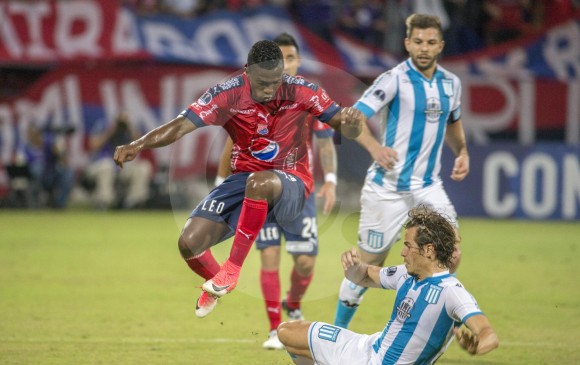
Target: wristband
330	177
219	180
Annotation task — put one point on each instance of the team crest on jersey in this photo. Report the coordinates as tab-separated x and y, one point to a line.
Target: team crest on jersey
375	239
433	294
328	332
264	149
262	129
433	110
404	309
391	270
447	86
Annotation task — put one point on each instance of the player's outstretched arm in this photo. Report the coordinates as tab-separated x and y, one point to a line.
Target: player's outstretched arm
479	338
348	122
158	137
358	272
386	157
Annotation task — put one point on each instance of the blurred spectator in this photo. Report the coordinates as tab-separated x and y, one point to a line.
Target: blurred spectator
506	20
42	159
142	7
319	16
132	181
465	32
364	20
181	8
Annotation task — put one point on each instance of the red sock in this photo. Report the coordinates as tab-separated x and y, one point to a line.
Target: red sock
204	265
298	286
252	219
270	282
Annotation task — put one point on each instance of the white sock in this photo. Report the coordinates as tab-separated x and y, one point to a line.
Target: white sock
350	292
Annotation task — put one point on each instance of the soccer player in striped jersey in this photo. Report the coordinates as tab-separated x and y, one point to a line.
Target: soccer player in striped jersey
430	306
419	105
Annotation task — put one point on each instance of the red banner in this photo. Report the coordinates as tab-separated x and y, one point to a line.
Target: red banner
36	32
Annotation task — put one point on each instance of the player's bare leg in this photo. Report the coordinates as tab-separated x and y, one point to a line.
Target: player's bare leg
194	243
300	280
262	189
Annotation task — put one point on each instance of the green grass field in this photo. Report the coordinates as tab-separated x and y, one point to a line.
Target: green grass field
82	287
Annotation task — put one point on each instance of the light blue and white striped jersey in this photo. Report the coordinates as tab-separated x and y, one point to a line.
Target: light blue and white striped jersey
424	314
416	114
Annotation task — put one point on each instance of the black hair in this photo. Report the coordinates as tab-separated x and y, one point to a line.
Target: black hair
265	54
435	228
285	39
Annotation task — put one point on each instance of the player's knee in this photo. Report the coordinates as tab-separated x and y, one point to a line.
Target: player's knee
187	245
305	265
282	331
261	185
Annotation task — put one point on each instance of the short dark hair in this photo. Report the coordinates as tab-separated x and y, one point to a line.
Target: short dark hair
435	228
265	54
285	39
423	21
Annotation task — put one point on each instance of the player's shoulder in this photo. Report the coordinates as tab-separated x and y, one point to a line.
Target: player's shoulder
231	85
298	82
446	73
452	285
393	73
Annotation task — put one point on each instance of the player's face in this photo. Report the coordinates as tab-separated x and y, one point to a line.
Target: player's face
424	46
291	60
263	82
415	261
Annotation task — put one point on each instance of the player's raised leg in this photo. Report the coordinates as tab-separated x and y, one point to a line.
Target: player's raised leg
262	189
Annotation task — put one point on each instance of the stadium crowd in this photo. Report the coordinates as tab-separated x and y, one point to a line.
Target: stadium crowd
468	24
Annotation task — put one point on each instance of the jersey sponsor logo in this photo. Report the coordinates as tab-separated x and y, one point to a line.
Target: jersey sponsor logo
375	239
298	80
433	110
316	103
231	83
404	309
207	97
205	113
433	294
290	160
286	107
328	332
239	111
447	86
391	270
380	94
264	149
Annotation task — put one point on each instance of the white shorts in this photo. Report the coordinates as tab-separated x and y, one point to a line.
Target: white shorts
383	213
331	345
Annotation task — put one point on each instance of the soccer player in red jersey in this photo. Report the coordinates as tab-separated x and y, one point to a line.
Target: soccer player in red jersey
263	111
300	235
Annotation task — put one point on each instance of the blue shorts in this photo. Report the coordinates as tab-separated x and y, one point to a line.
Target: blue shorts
301	234
224	202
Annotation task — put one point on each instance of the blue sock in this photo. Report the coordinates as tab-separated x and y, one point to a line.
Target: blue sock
344	314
